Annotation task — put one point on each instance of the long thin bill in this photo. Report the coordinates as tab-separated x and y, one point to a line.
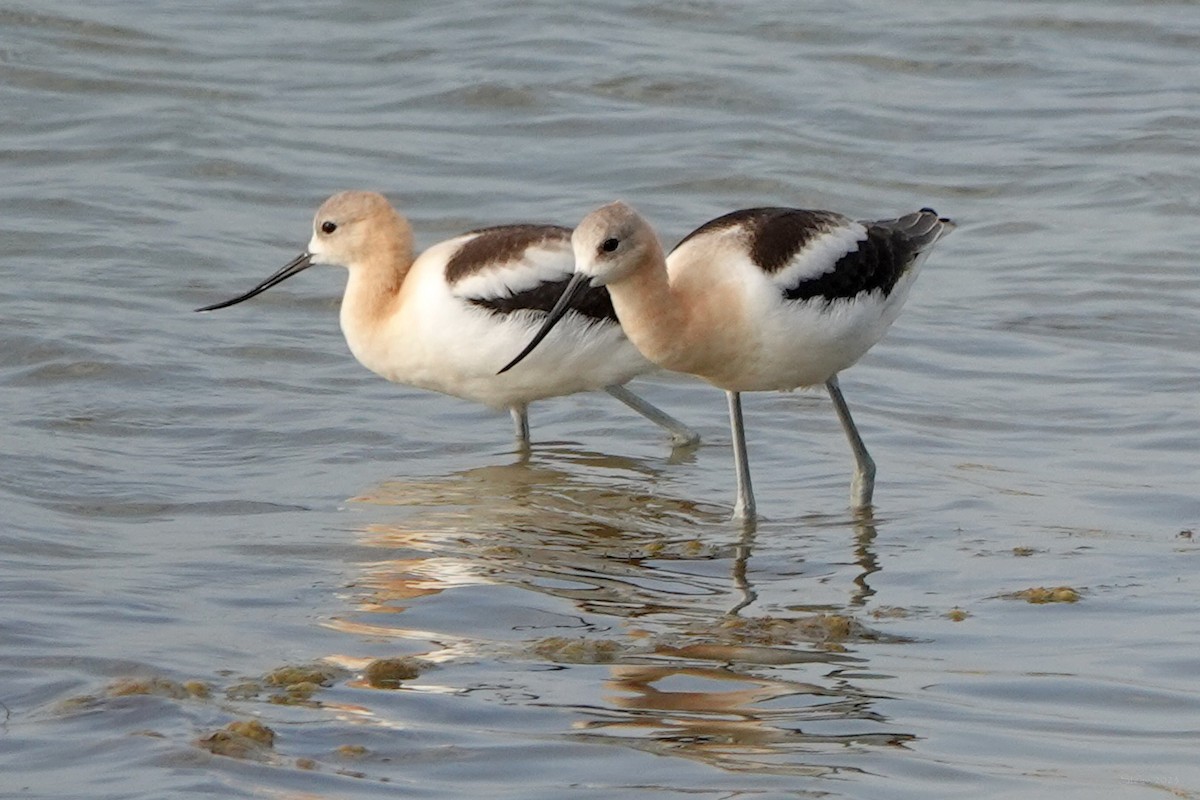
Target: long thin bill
293	267
577	284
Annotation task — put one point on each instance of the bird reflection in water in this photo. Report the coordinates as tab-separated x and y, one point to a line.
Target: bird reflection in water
620	577
732	718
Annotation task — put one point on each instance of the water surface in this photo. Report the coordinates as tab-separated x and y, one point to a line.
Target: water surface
192	502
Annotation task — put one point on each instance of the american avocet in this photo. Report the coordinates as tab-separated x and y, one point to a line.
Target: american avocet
757	300
446	320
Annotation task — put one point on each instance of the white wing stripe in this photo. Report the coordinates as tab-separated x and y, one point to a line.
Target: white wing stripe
537	265
820	255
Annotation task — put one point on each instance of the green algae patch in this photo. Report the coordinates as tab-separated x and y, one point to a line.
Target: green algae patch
956	614
297	684
296	694
157	687
244	739
891	612
320	674
564	650
390	673
136	687
1042	594
254	730
827	631
246	690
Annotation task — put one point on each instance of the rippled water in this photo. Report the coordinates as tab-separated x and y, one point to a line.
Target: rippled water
192	502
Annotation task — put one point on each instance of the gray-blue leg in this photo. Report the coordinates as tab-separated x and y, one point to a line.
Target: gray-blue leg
743	508
681	435
862	488
520	415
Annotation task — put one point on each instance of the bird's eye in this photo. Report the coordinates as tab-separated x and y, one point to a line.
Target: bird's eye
328	227
608	245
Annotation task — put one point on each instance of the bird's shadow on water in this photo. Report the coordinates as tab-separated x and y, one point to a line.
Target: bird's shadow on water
657	604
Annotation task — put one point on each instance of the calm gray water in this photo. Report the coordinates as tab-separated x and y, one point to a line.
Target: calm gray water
192	502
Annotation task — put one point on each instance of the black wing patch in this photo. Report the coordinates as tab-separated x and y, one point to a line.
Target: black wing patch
593	302
877	264
890	248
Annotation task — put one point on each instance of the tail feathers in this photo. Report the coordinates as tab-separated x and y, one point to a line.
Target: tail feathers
922	228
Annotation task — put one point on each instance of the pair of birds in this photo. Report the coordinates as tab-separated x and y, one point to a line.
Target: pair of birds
756	300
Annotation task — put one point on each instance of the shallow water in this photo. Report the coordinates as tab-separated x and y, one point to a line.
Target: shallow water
194	501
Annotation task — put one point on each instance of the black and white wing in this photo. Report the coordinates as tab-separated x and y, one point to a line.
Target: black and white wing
828	256
513	268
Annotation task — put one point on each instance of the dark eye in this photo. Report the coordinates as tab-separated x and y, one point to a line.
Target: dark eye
608	245
328	227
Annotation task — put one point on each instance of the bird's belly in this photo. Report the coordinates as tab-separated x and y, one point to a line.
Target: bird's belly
460	354
804	344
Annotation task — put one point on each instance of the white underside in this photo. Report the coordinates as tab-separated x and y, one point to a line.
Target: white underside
808	346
